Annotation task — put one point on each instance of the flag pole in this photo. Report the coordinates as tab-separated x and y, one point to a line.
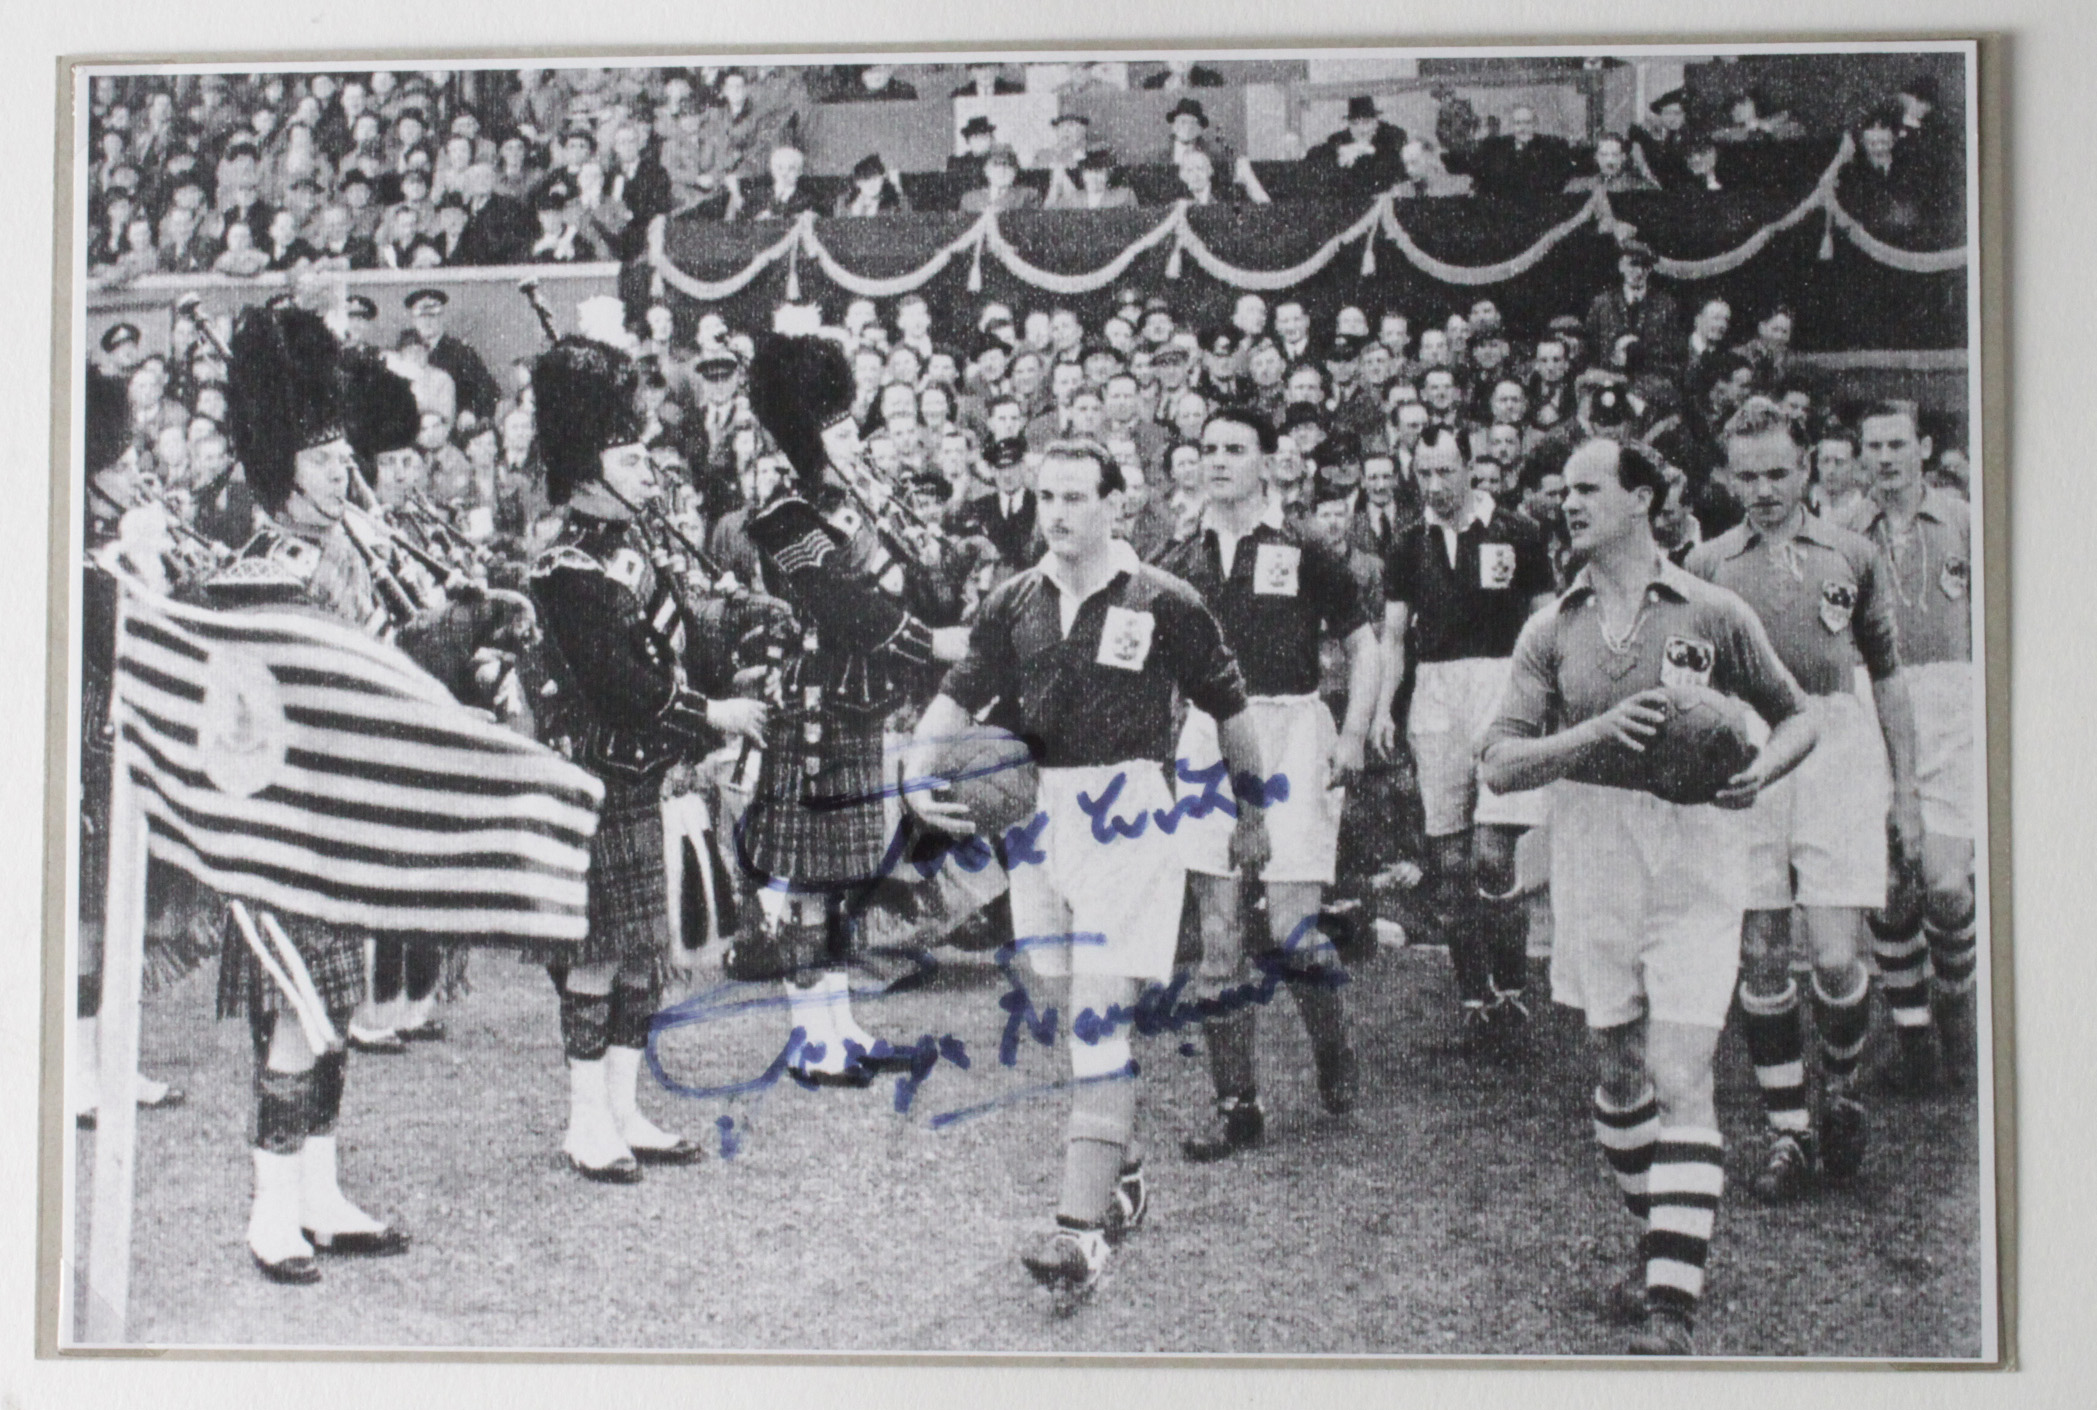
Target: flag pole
116	1123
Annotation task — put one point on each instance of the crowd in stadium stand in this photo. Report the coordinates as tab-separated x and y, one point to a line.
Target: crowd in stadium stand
240	174
272	171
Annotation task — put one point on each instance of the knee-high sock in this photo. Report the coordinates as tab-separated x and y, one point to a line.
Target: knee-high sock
1844	1019
1230	1053
389	965
1503	921
1626	1136
284	1103
585	1024
1953	954
1102	1124
1469	954
633	1005
1687	1178
1903	957
1776	1043
423	967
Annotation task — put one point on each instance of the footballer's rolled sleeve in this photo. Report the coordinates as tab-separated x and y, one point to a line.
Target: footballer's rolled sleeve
1529	705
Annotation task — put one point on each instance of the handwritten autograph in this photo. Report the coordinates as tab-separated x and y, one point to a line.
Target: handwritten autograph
1160	1009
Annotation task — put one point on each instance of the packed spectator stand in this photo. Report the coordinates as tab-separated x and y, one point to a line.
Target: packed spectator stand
976	227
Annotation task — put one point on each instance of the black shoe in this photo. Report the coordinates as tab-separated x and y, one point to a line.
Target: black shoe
1787	1171
385	1043
1240	1124
1666	1333
623	1171
1476	1034
1911	1071
1339	1080
1845	1135
430	1030
1624	1301
360	1243
296	1270
686	1152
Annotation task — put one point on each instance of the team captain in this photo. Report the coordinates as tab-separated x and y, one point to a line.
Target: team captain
1087	650
1647	896
1464	580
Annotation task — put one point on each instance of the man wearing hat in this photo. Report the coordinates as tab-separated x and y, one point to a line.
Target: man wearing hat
875	189
1361	158
1005	517
977	135
1172	367
1073	131
478	392
721	417
358	314
121	350
1928	152
1352	406
1635	308
1188	123
1661	147
1219	380
619	641
285	408
1000	191
562	239
1094	191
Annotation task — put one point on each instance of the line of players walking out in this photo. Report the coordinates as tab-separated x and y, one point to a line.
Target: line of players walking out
1751	770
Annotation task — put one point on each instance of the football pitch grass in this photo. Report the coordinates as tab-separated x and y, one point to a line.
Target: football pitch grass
1461	1210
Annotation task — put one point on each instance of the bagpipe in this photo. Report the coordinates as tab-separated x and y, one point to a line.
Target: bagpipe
736	632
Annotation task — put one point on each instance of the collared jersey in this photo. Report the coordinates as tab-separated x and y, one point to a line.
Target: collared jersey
1821	595
1282	589
1094	680
1474	608
1687	632
1930	570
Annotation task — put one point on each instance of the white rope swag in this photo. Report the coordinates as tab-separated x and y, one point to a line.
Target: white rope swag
986	237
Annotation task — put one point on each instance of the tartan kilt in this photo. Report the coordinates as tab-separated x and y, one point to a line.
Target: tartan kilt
629	905
333	954
795	827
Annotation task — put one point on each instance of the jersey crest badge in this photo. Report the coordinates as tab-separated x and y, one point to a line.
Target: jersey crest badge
1124	641
1686	661
1496	566
1274	569
1838	602
1956	579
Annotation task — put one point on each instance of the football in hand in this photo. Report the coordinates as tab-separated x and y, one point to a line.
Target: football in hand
990	772
1702	743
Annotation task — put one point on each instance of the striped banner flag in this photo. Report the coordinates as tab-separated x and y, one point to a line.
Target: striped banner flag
287	759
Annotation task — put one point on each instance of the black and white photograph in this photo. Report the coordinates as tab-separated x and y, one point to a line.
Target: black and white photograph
1241	703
